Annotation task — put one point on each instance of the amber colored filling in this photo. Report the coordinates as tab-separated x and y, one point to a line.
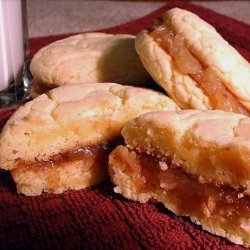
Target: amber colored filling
97	153
204	76
207	202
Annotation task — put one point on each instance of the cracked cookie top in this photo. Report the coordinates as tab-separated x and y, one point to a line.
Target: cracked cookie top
71	116
88	58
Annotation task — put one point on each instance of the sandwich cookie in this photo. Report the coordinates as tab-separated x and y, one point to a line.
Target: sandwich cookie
87	58
61	140
194	64
194	162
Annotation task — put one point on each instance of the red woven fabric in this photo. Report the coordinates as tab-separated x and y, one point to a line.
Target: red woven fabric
96	218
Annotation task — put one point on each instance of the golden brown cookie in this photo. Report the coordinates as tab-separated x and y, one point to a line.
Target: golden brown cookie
87	58
194	162
194	64
61	140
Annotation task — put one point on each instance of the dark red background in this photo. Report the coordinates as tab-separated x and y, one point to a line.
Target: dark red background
96	218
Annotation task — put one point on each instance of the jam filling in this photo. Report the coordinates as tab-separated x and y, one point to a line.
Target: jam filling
96	153
204	76
189	194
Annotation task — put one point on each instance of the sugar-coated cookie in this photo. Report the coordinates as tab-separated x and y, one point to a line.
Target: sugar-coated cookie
61	140
87	58
194	162
194	64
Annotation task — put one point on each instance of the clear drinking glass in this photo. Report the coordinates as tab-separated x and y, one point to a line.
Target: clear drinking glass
14	76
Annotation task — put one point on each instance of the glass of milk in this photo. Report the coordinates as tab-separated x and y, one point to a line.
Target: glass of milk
14	77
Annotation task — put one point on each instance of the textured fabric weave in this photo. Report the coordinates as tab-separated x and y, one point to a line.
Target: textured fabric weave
96	218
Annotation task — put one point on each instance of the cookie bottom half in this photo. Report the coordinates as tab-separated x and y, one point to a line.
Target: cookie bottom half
220	210
77	169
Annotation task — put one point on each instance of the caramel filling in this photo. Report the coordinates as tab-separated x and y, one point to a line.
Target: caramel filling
97	153
205	77
185	194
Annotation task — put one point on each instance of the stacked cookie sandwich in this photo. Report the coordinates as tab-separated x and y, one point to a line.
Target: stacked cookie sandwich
194	64
61	140
194	162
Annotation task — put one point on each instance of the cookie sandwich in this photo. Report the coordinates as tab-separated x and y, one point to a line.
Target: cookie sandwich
194	162
61	140
194	64
87	58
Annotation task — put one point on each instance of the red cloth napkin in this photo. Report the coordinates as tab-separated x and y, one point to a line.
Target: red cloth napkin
97	218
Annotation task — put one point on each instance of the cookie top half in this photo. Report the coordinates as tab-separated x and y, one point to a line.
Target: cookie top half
73	116
194	64
212	145
88	58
